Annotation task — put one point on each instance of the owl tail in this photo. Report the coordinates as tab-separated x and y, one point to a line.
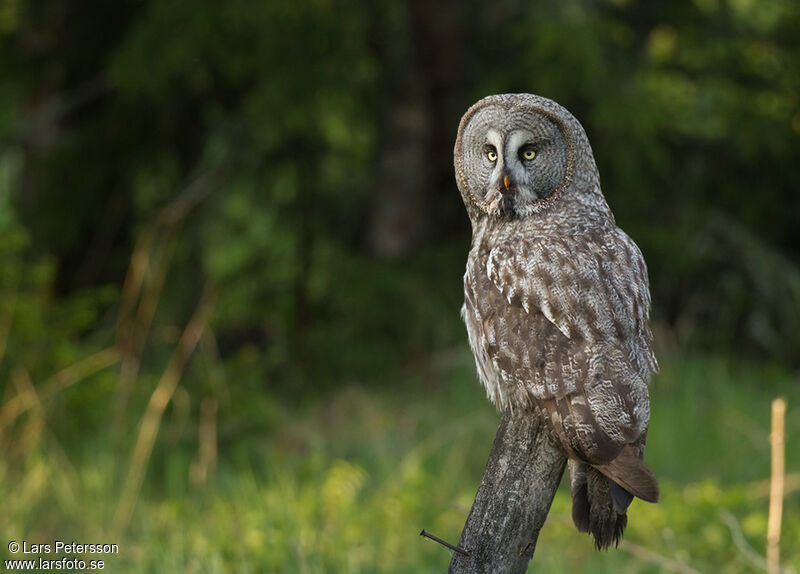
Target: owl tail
601	496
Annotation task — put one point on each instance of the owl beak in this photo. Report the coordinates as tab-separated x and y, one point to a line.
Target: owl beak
505	201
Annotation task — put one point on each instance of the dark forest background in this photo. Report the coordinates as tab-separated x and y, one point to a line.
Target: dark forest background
231	245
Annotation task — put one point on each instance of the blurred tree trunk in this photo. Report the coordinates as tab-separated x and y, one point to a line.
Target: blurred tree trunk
414	159
57	57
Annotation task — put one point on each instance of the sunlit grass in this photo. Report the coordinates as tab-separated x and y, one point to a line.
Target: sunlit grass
345	483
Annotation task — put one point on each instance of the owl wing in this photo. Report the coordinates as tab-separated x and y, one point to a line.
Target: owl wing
595	288
574	333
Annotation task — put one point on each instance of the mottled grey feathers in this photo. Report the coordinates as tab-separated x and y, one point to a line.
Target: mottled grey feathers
556	299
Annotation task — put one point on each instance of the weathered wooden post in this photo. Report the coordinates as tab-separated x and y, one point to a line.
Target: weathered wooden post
514	497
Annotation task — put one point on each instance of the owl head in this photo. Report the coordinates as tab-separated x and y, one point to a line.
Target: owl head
517	154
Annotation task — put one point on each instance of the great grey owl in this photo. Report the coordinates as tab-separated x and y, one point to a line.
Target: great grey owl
556	300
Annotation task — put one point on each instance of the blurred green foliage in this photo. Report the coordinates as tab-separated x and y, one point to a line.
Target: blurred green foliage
289	166
347	483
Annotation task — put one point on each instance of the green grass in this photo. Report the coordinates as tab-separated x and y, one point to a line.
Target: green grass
346	482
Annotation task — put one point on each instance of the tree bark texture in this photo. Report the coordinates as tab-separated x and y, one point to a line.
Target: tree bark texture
514	497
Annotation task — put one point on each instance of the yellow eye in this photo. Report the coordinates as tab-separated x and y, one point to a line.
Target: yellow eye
528	154
492	155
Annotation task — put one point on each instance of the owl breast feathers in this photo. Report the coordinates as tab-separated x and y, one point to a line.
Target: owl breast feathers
556	300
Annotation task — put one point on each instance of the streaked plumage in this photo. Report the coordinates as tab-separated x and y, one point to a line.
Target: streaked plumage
556	299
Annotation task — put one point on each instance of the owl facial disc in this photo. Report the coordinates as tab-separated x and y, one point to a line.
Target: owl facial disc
514	154
512	185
